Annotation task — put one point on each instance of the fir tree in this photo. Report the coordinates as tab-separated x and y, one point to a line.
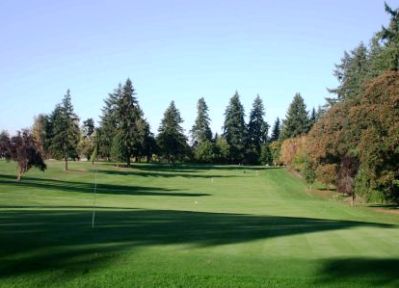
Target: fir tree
65	131
351	74
234	129
276	130
201	131
128	114
391	37
257	127
171	140
266	156
297	121
108	125
312	118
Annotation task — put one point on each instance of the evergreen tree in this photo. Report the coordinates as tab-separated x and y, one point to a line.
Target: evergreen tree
297	121
123	133
150	146
171	140
313	118
391	37
276	130
108	126
201	131
234	129
222	149
128	114
118	148
205	152
351	74
379	62
266	156
65	131
88	127
257	127
147	144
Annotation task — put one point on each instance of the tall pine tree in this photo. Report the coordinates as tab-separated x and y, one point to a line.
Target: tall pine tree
351	74
234	129
297	120
108	125
257	131
171	140
257	126
391	36
65	131
276	130
128	115
201	131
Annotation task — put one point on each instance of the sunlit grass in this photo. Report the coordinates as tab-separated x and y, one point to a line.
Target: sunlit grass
186	226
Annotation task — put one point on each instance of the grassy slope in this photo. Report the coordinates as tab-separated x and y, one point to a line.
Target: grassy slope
186	227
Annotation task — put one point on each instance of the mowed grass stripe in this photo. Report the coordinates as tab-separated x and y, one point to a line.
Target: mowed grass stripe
186	226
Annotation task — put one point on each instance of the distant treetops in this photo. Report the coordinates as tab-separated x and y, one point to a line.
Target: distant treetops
124	134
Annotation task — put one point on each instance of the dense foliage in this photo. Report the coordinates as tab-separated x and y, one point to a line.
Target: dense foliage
63	131
234	129
361	138
23	149
257	134
354	144
297	120
171	139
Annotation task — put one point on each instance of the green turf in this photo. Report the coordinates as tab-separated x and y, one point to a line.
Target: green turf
186	226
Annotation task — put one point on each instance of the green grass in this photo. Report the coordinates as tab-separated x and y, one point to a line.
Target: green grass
186	226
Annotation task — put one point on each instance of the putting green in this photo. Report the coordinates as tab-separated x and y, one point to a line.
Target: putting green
186	226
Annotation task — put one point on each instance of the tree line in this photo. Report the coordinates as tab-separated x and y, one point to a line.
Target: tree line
124	134
354	145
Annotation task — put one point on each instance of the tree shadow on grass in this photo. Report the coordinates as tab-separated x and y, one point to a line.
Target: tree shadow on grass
40	240
82	187
65	207
370	272
187	168
386	206
163	173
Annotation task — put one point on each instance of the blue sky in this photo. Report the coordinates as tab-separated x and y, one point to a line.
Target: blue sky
174	50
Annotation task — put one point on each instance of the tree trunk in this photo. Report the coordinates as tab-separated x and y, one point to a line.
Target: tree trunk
66	163
128	161
19	176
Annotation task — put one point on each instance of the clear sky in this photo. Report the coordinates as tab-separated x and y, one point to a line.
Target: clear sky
175	50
